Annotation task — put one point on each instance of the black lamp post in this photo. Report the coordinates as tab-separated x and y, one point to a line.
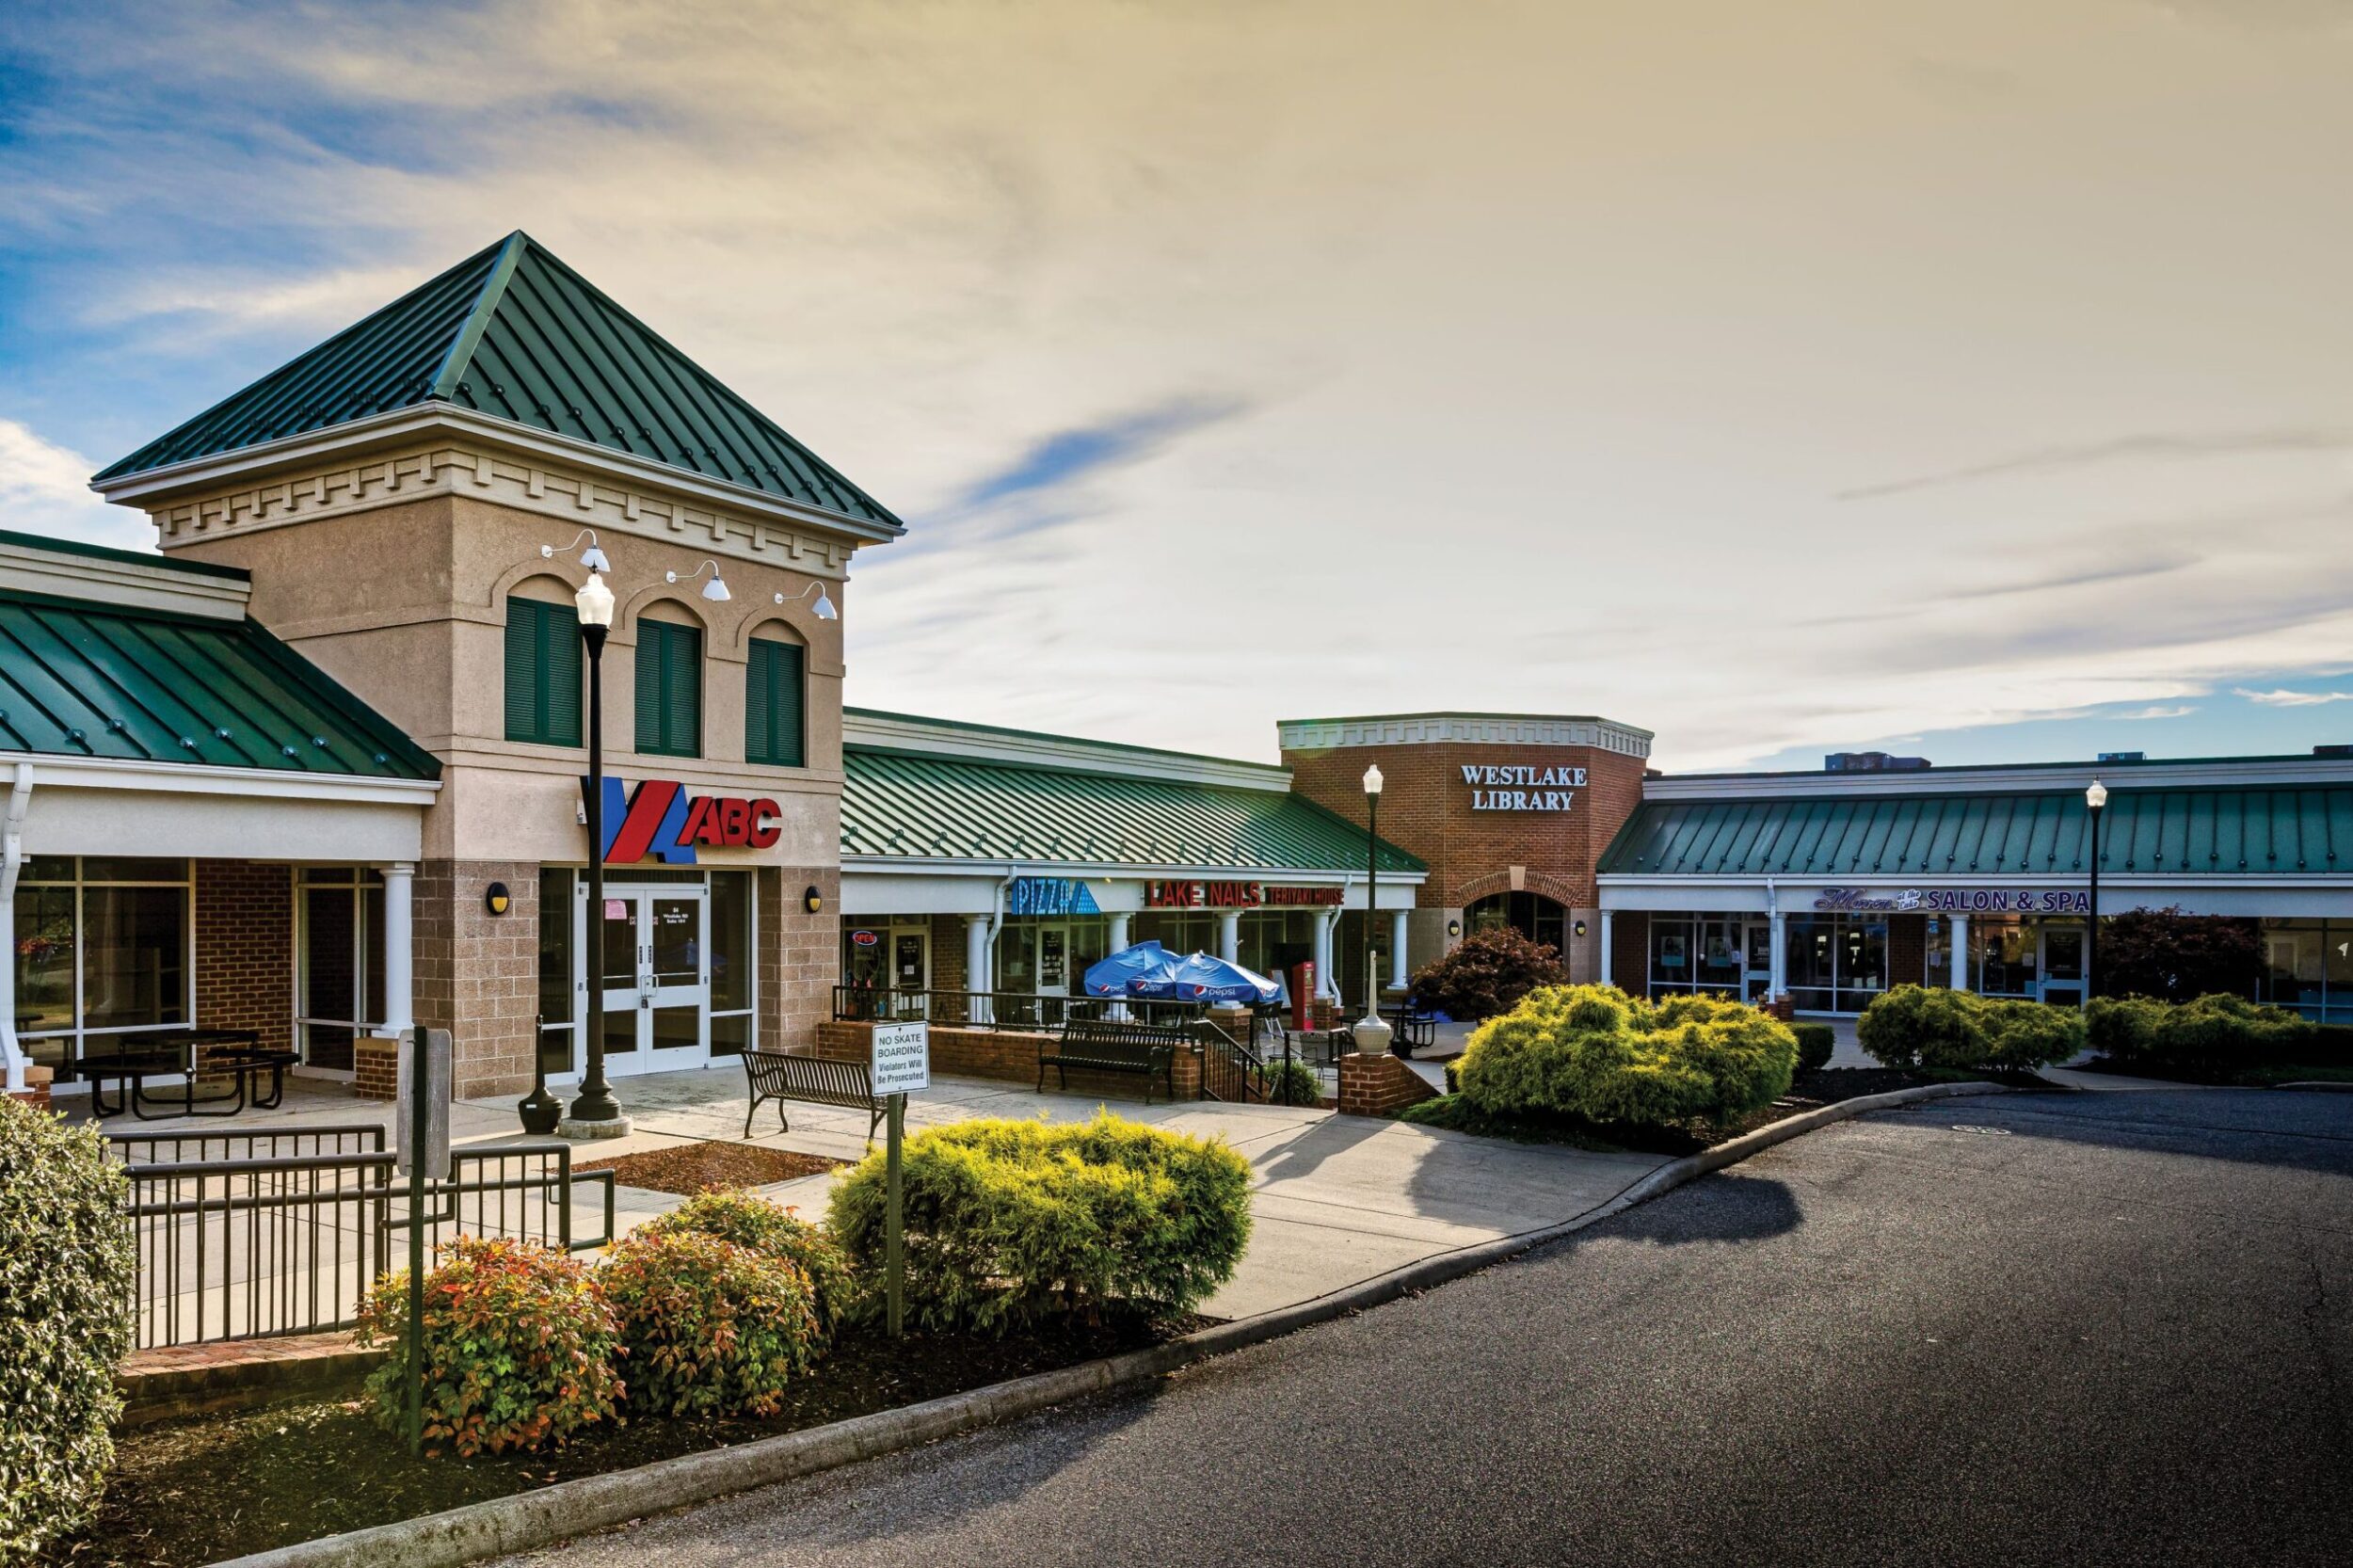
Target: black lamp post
1373	1035
2095	801
594	602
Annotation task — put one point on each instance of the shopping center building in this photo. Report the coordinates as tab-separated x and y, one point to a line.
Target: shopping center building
316	771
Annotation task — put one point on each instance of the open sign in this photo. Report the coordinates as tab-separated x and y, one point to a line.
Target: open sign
865	938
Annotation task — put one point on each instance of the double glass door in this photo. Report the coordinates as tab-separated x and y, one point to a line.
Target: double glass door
657	978
2063	964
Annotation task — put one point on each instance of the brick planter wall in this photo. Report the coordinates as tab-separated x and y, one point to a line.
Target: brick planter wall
1377	1085
1008	1055
377	1064
36	1091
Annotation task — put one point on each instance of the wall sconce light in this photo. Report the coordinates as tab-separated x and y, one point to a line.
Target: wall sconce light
813	901
496	899
1453	928
1581	928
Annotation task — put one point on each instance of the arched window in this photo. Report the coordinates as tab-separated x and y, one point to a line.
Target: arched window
543	656
1532	914
776	702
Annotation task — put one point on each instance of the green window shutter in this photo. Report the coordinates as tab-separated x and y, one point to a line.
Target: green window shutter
542	674
670	689
773	703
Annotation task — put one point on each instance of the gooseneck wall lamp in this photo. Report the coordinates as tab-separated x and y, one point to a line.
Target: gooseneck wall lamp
825	602
717	589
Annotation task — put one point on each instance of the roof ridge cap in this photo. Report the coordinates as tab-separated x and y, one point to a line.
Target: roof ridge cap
486	304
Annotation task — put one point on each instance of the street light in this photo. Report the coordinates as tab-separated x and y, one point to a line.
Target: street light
594	604
1372	1035
2095	801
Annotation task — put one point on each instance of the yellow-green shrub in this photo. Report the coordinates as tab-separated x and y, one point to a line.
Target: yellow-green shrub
1012	1221
1929	1026
2212	1030
1595	1052
67	1275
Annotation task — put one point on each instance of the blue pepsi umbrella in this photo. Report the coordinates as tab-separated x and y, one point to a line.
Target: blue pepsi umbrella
1201	978
1117	975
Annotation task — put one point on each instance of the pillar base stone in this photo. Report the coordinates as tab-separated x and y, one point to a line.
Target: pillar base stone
618	1127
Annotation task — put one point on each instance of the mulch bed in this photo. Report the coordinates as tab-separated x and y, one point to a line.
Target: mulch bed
690	1168
1808	1091
223	1486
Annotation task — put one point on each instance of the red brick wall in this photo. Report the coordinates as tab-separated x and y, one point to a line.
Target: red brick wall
245	974
1005	1054
1426	809
1629	951
1907	948
1377	1085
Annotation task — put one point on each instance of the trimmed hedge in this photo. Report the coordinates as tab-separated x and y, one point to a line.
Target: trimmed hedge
711	1328
2212	1031
751	1221
1913	1026
519	1347
1009	1223
67	1278
1292	1083
1595	1052
1816	1045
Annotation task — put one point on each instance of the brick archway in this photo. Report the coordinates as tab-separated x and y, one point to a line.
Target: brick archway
1553	888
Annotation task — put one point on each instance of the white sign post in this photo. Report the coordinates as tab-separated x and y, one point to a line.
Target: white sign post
901	1062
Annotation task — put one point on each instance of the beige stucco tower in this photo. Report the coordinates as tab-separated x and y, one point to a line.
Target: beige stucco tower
406	490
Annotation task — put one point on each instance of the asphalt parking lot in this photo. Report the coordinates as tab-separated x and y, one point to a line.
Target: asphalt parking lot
2034	1328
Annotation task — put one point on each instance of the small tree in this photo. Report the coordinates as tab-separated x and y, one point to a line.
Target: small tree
2174	957
1487	974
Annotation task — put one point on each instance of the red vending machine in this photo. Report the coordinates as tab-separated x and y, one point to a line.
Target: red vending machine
1304	994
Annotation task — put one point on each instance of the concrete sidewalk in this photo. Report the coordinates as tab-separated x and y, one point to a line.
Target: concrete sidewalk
1336	1199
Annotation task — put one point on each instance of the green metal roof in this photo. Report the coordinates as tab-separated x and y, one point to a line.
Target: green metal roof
513	332
923	806
2217	831
85	680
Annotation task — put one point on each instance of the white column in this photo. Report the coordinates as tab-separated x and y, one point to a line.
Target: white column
1961	953
12	1055
1779	982
1229	936
1119	933
1324	921
1397	951
400	990
1607	924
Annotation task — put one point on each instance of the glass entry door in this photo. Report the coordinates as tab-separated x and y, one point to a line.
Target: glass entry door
657	979
2063	964
1053	960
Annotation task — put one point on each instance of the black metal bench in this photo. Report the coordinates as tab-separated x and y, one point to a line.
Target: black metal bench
780	1076
1114	1045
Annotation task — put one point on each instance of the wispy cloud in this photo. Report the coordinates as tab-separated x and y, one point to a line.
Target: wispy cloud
2124	449
1067	457
2285	697
2156	711
44	489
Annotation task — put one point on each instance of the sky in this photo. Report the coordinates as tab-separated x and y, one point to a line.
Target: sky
1968	380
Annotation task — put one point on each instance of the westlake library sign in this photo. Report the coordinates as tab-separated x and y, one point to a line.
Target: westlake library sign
1510	788
1236	895
1957	901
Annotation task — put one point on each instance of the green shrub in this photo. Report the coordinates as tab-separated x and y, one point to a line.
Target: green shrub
1816	1045
1292	1082
1486	973
1009	1223
753	1221
2214	1031
1595	1052
711	1328
1913	1026
519	1347
67	1276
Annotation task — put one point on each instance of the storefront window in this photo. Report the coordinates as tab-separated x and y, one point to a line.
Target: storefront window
102	944
2307	964
1532	914
556	1024
340	989
2006	954
731	949
1837	963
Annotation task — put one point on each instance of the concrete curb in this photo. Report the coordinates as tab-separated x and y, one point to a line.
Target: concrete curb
531	1519
2322	1086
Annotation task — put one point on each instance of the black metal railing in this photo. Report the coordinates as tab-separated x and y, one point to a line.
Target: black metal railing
1231	1070
1016	1010
252	1234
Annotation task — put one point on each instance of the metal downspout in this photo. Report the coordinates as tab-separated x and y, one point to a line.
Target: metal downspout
12	862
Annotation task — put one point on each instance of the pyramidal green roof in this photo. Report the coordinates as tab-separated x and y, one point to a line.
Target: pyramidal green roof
514	333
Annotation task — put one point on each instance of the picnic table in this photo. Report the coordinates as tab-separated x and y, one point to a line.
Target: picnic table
129	1061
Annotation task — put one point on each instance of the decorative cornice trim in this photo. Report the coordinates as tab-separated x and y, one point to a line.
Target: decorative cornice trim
1400	730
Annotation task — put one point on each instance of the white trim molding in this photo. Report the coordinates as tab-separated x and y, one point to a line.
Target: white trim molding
156	584
877	731
2120	778
1399	729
